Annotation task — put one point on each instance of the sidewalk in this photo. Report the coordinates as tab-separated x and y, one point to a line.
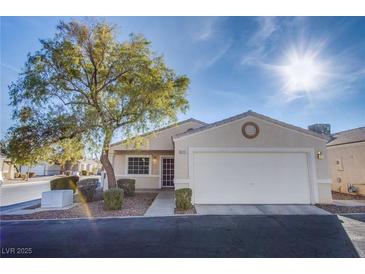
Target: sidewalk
163	205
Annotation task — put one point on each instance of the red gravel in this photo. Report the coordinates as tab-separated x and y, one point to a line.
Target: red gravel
342	209
345	196
132	206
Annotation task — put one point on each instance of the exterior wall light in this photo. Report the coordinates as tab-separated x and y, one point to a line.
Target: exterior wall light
319	155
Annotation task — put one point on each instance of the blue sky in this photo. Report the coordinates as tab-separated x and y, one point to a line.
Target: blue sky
300	70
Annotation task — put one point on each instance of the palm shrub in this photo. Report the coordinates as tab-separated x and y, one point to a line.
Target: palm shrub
69	182
183	198
128	186
113	199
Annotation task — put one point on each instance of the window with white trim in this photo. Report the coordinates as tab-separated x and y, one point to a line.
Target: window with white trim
138	165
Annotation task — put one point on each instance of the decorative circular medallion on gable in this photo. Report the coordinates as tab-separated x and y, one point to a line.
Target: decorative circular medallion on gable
250	130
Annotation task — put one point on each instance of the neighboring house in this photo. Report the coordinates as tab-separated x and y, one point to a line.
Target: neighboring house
43	169
7	170
346	153
246	159
93	166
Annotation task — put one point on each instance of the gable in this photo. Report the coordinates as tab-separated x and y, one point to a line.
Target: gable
255	116
162	139
230	134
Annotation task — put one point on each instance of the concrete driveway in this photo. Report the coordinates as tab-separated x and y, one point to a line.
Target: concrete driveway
259	210
259	236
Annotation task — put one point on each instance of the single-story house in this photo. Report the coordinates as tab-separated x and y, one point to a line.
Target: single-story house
245	159
90	165
346	154
43	169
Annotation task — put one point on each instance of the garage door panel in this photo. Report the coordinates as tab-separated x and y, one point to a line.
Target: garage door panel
251	178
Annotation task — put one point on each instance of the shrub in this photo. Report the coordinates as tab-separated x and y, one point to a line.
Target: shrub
183	198
128	186
113	199
69	182
84	173
87	192
88	181
87	189
68	172
31	174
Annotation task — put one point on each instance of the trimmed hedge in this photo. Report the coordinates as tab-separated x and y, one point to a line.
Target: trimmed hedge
113	199
87	189
87	193
69	182
88	181
183	198
128	186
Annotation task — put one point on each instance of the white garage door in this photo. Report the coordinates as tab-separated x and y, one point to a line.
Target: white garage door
251	178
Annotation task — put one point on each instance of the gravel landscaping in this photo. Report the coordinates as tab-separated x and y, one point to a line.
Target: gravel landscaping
336	209
132	206
344	196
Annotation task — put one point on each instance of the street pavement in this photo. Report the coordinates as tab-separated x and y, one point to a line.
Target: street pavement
188	236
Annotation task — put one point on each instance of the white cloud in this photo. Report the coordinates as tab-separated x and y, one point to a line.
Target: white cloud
257	43
205	28
207	60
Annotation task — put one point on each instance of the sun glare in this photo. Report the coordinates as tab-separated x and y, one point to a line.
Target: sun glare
302	73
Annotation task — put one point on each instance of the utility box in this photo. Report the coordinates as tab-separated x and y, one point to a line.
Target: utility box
57	198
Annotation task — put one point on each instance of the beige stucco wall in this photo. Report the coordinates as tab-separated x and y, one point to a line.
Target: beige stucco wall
155	145
271	136
119	161
353	162
161	140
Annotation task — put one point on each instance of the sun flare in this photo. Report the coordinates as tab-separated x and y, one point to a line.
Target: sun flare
302	73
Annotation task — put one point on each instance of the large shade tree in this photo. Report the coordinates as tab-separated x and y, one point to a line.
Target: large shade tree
85	83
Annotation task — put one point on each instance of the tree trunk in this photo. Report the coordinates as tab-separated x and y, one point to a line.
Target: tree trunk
67	166
104	159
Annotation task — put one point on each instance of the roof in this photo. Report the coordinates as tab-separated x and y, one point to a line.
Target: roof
251	113
348	136
164	128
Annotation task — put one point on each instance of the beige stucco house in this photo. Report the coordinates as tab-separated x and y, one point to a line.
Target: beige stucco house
246	159
346	153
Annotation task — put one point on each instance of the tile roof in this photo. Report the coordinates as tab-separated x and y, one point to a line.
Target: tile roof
348	136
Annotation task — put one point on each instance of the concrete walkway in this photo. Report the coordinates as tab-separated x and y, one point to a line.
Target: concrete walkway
163	205
259	210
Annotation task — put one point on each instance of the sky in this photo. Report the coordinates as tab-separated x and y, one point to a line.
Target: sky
300	70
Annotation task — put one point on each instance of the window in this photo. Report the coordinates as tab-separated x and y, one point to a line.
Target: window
138	165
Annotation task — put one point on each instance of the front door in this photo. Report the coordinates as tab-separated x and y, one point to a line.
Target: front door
167	171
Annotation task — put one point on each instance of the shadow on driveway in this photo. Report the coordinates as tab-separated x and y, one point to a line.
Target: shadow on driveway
182	236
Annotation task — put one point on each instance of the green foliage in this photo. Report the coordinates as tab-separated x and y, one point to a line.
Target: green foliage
69	182
113	199
87	193
66	151
183	198
87	189
84	83
84	173
128	186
